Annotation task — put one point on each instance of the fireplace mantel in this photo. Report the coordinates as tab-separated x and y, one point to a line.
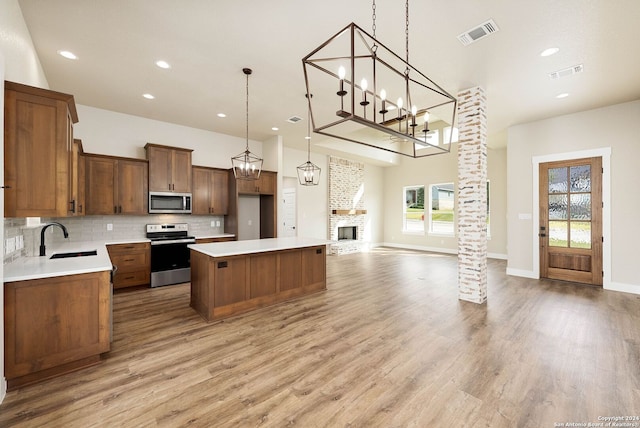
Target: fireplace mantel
348	212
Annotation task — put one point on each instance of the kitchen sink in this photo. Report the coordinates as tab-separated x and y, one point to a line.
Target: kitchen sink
74	254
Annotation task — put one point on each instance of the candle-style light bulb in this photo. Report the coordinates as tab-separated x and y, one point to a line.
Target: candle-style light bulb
426	122
383	97
399	107
363	86
341	74
414	110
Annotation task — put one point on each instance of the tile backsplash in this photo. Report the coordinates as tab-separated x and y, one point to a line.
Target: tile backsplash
101	228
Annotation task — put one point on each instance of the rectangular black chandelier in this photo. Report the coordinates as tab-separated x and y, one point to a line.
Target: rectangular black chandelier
366	94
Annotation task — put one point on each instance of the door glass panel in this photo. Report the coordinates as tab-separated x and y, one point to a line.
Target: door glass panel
580	206
580	234
558	207
581	178
558	234
558	180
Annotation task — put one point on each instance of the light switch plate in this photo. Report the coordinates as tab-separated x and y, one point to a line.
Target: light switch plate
19	242
213	223
9	245
109	226
218	223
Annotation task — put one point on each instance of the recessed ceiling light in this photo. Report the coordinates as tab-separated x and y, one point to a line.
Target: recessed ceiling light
275	128
163	64
222	115
68	54
307	138
148	96
549	51
563	95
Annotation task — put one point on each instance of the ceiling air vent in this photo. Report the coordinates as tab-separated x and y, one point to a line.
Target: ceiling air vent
478	32
294	119
565	72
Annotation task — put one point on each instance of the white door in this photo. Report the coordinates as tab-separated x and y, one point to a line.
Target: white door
289	208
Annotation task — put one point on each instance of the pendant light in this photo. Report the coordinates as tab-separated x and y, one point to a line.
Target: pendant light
309	173
246	165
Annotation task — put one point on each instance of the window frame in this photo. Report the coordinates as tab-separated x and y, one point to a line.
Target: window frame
405	205
430	229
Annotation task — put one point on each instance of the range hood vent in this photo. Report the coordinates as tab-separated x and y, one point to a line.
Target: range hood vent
478	32
566	72
294	119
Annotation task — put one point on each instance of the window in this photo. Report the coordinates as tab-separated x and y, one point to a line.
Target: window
441	215
433	138
413	215
447	135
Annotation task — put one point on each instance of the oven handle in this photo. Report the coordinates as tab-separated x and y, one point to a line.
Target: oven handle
174	241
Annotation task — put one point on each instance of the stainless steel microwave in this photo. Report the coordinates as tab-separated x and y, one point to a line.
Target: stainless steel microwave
169	203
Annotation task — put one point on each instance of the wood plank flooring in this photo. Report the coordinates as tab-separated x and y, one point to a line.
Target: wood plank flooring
387	345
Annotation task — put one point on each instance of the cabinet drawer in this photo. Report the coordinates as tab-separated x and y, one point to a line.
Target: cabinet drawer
210	240
125	248
128	279
130	262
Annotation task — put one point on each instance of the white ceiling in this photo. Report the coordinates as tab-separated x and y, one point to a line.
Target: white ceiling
208	42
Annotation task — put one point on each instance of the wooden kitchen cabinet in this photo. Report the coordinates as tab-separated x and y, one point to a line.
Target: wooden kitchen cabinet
116	185
266	188
265	185
55	325
38	140
210	191
133	263
169	168
78	181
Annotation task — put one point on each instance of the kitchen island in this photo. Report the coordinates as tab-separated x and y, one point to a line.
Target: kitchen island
228	278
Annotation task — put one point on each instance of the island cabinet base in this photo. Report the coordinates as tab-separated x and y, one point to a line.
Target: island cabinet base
226	286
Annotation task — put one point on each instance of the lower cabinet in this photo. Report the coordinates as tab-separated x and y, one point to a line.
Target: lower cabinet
226	286
55	325
133	263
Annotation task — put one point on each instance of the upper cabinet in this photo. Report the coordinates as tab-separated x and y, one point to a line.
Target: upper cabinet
210	191
116	185
265	185
169	168
38	140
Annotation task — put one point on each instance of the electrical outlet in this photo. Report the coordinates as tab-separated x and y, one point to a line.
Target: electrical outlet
213	223
19	242
109	226
218	223
250	222
9	245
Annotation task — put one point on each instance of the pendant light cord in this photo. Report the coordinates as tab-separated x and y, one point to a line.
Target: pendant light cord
247	105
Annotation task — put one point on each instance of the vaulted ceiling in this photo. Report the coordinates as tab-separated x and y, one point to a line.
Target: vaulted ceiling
208	42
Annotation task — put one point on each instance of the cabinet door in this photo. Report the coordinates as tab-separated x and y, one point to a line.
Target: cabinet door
54	321
201	202
263	275
81	201
101	176
37	144
160	167
219	192
132	187
314	266
247	186
267	183
230	280
181	171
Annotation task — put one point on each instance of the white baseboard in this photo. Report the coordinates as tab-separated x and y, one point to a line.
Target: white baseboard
3	389
498	256
625	288
521	272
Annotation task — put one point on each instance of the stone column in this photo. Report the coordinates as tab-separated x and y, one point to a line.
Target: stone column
472	196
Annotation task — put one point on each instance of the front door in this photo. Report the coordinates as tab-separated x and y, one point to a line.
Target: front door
571	220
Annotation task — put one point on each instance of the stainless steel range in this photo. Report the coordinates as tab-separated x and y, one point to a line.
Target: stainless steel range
170	256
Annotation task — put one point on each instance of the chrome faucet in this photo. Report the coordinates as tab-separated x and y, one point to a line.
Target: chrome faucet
53	223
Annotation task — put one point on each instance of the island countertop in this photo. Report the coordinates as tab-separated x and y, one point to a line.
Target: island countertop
236	248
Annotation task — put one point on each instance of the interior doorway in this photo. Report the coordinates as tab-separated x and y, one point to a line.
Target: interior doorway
289	212
570	220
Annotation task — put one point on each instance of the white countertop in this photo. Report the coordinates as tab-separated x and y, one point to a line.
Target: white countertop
236	248
26	268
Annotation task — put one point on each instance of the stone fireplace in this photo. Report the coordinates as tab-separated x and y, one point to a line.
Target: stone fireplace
346	205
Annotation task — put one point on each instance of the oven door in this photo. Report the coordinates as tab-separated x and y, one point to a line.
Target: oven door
170	263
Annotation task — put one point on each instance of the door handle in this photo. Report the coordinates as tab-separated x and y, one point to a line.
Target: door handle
542	235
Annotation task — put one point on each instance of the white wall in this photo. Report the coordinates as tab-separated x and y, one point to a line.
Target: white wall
18	63
616	127
311	201
436	169
118	134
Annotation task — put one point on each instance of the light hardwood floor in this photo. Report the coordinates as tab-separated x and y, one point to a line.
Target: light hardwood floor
387	345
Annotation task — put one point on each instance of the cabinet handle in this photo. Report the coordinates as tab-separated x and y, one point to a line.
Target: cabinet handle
129	277
129	260
73	206
120	209
80	208
115	209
